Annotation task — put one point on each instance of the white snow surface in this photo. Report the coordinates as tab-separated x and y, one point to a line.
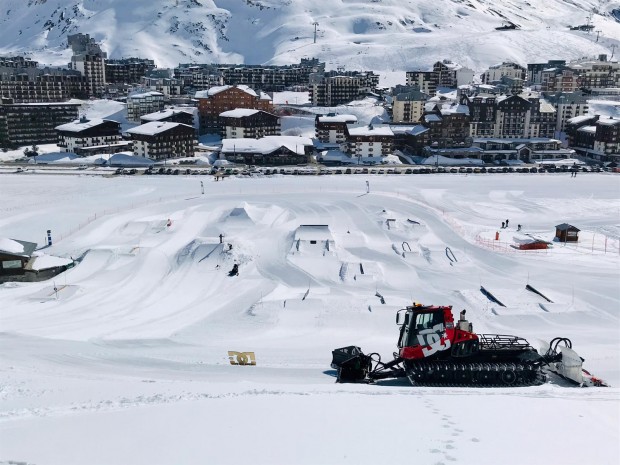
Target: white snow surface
127	362
387	35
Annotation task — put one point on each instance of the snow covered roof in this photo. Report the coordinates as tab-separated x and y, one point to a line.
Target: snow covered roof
454	109
129	160
400	128
417	130
44	262
371	131
264	96
414	95
155	127
451	65
566	227
579	119
313	232
217	89
609	121
239	113
145	94
265	145
336	155
163	114
15	247
431	118
590	129
11	246
546	107
80	125
331	118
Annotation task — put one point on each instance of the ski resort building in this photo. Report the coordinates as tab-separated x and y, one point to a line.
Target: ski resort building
264	78
163	140
332	128
607	139
215	101
581	132
425	81
85	133
408	106
567	105
42	85
448	125
339	87
143	103
89	60
171	115
509	69
127	70
516	116
270	150
33	123
245	123
451	74
596	73
595	137
162	80
444	74
534	70
370	143
503	150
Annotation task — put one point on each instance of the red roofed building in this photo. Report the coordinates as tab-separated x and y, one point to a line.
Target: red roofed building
217	100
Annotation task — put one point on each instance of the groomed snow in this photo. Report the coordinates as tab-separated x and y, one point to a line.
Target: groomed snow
127	360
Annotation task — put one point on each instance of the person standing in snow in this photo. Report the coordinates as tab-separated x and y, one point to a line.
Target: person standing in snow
503	224
506	223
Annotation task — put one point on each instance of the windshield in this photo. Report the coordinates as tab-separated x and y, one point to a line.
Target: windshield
425	329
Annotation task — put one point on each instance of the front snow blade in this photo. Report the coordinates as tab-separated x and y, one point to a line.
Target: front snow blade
352	365
570	367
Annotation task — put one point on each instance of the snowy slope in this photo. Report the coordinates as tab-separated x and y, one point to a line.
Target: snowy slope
386	35
129	362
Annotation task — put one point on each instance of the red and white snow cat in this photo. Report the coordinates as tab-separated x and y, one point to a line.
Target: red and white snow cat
434	350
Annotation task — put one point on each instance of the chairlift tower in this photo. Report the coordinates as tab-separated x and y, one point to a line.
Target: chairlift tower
315	24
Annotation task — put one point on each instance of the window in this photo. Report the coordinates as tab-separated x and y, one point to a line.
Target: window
11	264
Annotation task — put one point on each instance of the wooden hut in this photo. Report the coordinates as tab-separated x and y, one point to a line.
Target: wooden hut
14	255
566	233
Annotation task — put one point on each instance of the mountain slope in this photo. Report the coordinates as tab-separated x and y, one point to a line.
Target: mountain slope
379	34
